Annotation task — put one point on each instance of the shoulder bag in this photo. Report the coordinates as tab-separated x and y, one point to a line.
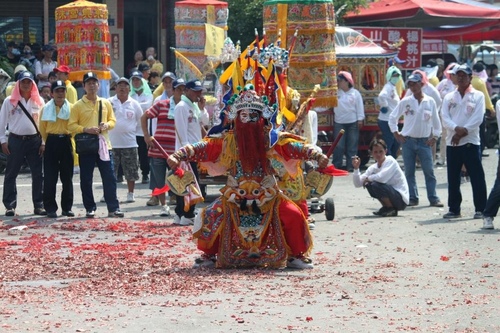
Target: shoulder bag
88	143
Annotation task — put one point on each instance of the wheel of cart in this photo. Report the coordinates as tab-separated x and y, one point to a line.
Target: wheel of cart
329	209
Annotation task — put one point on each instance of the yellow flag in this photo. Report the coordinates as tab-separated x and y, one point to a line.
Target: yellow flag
185	68
214	41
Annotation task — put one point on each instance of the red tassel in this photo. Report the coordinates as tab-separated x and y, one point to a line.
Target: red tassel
332	171
179	172
158	191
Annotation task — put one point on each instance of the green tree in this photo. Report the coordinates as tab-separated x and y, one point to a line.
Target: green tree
246	15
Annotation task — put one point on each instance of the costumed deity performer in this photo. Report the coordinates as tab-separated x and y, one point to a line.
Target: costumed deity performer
252	224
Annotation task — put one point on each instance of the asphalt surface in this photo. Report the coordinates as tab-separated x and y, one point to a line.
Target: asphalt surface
415	272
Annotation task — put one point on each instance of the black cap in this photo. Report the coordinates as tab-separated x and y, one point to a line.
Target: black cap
194	85
168	74
137	74
122	79
178	83
89	76
463	68
57	84
143	67
47	47
416	77
26	75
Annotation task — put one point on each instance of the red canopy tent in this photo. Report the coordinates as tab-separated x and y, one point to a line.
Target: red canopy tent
421	13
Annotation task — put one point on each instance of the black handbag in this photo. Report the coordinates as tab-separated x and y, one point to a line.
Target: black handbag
88	143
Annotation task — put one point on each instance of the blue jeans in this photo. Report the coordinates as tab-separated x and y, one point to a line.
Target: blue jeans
106	169
347	145
470	156
159	168
388	137
412	148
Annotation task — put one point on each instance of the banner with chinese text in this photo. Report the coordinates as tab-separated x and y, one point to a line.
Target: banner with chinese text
408	40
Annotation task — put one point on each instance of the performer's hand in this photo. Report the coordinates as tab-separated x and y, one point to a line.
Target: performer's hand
173	163
356	162
5	148
323	161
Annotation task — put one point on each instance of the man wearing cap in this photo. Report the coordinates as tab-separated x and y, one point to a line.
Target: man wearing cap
164	90
62	73
398	63
24	141
10	60
388	99
45	66
463	113
144	69
84	118
420	132
58	157
128	114
190	116
164	134
141	92
349	115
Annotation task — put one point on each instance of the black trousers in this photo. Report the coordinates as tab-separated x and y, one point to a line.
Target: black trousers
58	161
142	150
21	149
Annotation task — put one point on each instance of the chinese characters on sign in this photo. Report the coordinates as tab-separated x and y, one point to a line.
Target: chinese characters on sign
410	49
115	46
435	45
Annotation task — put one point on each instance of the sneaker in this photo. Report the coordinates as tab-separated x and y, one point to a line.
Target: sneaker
145	179
10	212
165	211
390	211
299	263
451	215
205	261
177	219
413	202
186	221
437	204
153	201
76	170
90	214
130	197
488	223
478	215
116	213
40	211
67	213
311	222
102	199
52	215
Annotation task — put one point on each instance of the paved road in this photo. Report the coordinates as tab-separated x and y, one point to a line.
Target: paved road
414	272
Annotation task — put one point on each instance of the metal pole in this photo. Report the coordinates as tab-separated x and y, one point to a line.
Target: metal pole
45	21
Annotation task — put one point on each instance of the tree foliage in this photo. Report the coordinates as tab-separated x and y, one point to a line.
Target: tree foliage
246	15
